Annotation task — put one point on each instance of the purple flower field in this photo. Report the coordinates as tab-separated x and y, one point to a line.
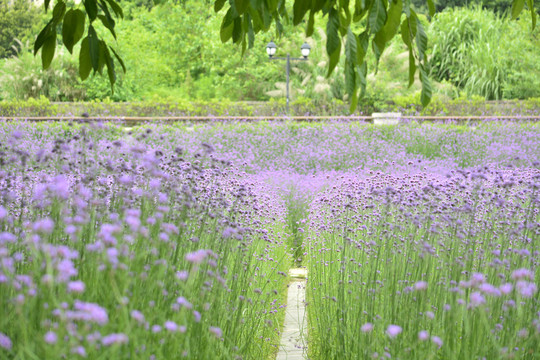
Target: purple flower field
174	241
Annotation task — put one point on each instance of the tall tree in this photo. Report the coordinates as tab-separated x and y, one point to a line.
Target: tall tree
18	20
354	25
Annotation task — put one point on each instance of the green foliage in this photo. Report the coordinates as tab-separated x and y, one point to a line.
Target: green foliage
372	22
173	51
409	105
19	19
23	77
467	52
73	25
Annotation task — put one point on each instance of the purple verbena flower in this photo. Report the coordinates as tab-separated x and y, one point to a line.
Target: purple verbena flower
393	330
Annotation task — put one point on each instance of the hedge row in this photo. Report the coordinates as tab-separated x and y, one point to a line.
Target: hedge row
300	107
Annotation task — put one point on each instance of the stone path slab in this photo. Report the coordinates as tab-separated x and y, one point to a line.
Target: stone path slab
293	344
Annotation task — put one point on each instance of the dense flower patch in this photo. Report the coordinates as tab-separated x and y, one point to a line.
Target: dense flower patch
165	241
420	266
113	249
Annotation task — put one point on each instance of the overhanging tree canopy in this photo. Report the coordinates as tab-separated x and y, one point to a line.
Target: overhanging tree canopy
354	24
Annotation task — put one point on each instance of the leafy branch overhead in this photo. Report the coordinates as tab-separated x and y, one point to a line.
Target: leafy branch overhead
351	25
95	53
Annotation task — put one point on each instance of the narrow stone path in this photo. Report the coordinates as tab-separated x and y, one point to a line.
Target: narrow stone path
293	344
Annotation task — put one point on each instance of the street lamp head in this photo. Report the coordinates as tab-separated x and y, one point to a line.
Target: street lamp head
271	49
305	48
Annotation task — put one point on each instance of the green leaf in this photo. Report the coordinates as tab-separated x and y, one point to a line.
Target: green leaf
362	42
102	49
334	59
407	8
73	28
103	6
412	67
350	64
108	24
318	5
241	6
46	5
58	12
119	59
47	51
310	25
93	44
250	33
42	36
110	66
530	4
431	7
425	96
421	41
300	8
393	20
227	26
360	10
91	9
272	5
351	47
333	40
218	5
256	20
85	63
377	16
350	78
237	30
379	43
405	36
344	6
354	102
517	6
408	30
361	70
116	8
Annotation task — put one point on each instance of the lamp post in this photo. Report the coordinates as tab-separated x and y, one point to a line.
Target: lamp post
271	50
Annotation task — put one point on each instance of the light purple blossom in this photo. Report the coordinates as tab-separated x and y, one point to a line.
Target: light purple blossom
137	316
183	302
50	337
393	330
216	331
423	335
3	212
79	350
506	288
66	270
420	285
197	257
7	237
477	299
45	226
5	341
112	339
171	326
182	275
522	274
489	289
88	312
437	341
526	289
367	327
75	286
156	329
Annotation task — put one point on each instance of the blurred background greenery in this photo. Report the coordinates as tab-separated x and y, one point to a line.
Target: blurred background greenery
173	53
